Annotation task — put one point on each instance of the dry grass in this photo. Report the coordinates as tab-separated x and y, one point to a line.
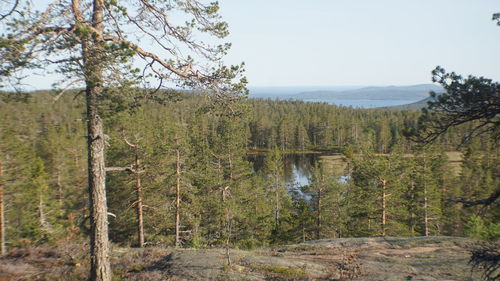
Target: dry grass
67	260
335	164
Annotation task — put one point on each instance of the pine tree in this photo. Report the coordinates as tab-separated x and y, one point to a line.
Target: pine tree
378	195
274	170
104	42
428	165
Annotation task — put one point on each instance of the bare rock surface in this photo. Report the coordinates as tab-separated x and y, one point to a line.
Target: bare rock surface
370	259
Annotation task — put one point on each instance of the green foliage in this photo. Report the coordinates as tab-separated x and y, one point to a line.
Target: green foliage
222	199
475	227
305	126
285	272
472	101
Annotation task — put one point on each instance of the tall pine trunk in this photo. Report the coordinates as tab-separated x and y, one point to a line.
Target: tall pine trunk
318	217
139	207
178	198
99	245
93	58
426	210
426	203
384	207
2	215
42	219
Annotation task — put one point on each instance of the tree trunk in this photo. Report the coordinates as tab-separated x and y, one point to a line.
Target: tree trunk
139	207
277	209
318	218
412	213
426	216
230	162
303	232
384	207
178	199
41	213
99	245
59	188
92	51
2	216
277	196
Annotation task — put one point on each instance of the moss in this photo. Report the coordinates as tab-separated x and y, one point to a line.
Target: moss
285	272
137	268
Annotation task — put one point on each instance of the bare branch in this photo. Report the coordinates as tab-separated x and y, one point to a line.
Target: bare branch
486	201
129	143
11	11
112	169
66	89
187	73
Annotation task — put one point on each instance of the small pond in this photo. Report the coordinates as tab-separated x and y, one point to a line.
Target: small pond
298	166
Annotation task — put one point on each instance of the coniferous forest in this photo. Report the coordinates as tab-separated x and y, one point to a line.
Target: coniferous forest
147	146
179	174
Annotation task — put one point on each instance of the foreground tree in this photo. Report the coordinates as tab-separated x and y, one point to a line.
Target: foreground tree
93	43
471	100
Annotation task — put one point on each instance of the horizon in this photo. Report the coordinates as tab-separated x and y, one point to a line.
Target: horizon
354	44
333	86
292	86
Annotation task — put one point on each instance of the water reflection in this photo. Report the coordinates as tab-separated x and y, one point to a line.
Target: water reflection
297	167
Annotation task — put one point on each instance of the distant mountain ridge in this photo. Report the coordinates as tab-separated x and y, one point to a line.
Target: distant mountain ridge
415	106
410	93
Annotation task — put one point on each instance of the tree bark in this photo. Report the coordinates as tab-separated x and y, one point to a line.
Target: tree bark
384	206
277	196
318	218
303	232
426	202
99	244
2	215
100	269
277	209
426	216
41	212
139	208
59	188
178	199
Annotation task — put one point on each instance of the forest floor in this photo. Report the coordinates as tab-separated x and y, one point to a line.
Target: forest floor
390	258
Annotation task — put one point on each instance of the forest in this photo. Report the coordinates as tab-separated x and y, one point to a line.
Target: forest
179	175
145	145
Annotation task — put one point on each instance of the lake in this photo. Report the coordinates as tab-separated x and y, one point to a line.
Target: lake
298	166
361	103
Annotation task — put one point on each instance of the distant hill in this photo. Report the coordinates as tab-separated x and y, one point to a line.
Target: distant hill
410	93
283	92
412	106
357	97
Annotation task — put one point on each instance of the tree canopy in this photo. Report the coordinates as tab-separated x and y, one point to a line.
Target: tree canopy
472	100
98	44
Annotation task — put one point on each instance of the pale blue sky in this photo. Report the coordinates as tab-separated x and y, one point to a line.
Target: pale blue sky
358	42
361	42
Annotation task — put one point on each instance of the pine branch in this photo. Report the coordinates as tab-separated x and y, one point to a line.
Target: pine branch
486	201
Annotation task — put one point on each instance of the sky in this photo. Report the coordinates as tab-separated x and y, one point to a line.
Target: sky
357	42
361	42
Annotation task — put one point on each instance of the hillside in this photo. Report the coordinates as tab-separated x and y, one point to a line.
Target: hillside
416	106
410	93
415	258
